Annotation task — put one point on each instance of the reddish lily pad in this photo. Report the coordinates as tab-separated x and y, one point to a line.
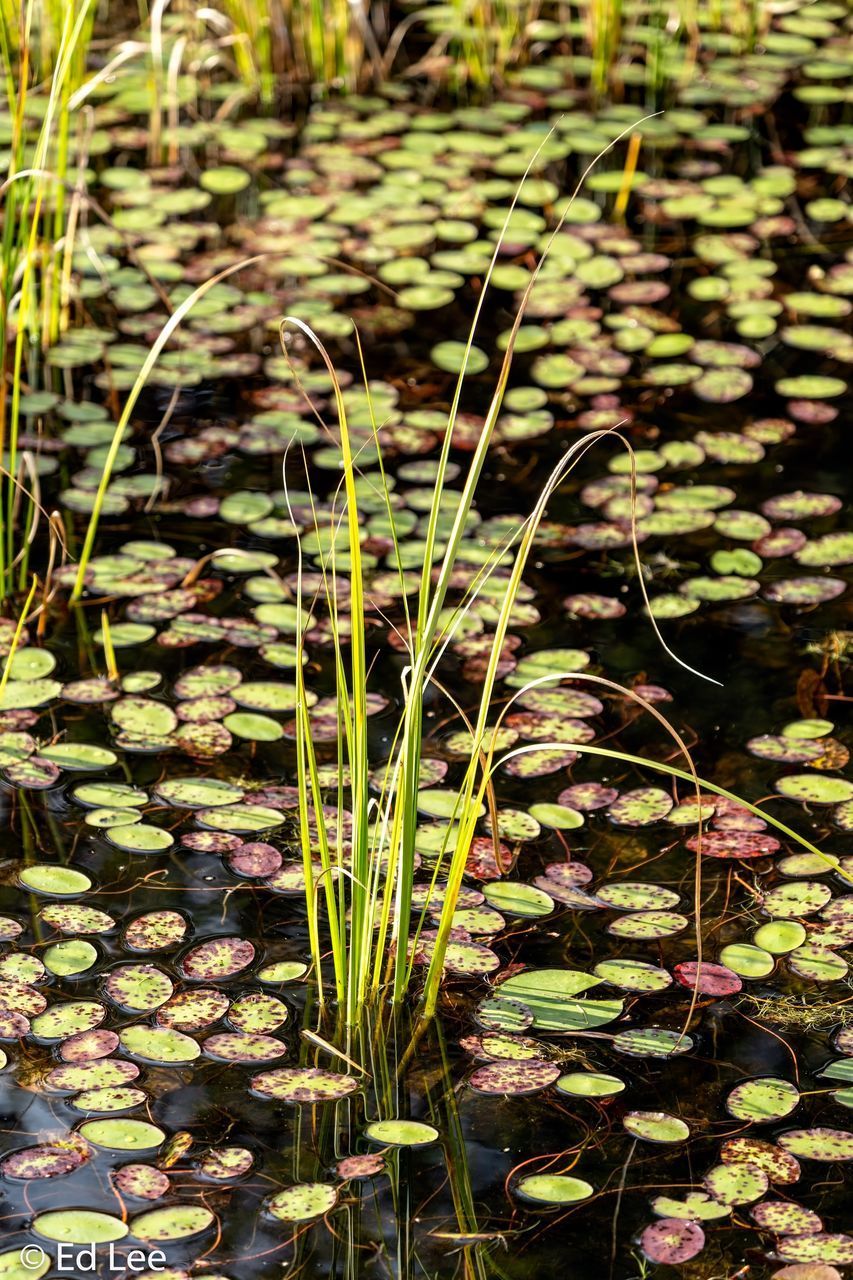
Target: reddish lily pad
707	978
51	1160
514	1079
141	1181
155	931
303	1084
672	1241
224	1163
217	959
357	1167
734	844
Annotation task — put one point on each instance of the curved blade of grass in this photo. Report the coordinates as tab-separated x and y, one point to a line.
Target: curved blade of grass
130	403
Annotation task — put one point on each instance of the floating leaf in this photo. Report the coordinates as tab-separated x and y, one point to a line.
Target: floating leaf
672	1241
303	1084
176	1222
590	1084
762	1101
655	1126
79	1226
818	1144
510	1078
304	1202
736	1183
401	1133
552	1188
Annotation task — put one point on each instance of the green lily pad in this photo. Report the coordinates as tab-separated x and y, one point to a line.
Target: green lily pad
762	1101
79	1226
516	899
552	1188
175	1222
814	789
779	936
590	1084
55	881
656	1126
401	1133
68	958
160	1045
18	1264
304	1202
736	1183
746	960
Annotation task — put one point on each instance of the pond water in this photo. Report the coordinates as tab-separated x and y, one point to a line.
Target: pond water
159	1087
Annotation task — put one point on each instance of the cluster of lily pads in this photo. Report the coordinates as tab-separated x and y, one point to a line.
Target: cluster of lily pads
175	1001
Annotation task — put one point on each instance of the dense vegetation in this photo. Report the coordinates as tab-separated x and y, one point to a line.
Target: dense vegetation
463	388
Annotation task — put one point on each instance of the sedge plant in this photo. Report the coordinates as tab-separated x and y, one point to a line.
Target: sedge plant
366	880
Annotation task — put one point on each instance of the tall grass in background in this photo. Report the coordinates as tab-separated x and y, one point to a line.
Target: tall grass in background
44	47
487	37
326	43
604	35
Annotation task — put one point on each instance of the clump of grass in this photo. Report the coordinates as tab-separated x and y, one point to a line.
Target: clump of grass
367	888
324	43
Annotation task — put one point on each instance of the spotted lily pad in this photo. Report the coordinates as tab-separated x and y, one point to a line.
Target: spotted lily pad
218	958
303	1202
648	925
141	1181
782	1217
779	1165
651	1042
656	1126
762	1101
672	1241
818	1144
511	1078
640	808
303	1084
175	1222
736	1183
